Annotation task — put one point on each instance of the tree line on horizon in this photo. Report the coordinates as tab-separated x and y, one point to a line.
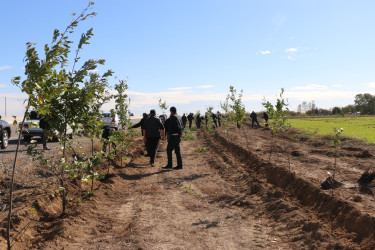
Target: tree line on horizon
364	104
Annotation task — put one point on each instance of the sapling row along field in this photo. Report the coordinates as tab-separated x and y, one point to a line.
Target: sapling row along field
358	127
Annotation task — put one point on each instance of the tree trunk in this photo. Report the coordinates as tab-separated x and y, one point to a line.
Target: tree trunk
269	159
247	142
62	183
12	180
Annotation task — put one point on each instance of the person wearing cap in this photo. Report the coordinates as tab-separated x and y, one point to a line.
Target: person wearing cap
153	129
173	128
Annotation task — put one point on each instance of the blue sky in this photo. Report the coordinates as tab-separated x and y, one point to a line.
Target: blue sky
189	52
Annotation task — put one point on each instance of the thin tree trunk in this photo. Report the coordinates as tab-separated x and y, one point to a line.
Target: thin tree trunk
12	181
62	179
109	156
269	159
92	180
247	142
287	153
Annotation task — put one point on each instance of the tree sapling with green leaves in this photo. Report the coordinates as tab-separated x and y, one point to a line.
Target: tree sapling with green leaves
279	121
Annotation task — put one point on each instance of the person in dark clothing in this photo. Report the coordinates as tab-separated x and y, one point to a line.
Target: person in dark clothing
173	128
153	129
254	118
214	119
34	115
190	119
184	120
141	122
105	135
265	117
45	126
198	121
218	118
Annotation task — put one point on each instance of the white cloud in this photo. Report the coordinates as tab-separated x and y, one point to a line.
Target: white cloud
265	52
199	87
2	86
180	88
291	58
4	67
311	87
205	86
291	38
320	95
293	50
337	85
370	85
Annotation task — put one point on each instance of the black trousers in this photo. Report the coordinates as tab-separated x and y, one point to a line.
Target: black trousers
190	124
44	140
152	146
174	144
252	122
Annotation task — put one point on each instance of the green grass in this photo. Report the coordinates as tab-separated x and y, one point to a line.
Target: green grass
359	127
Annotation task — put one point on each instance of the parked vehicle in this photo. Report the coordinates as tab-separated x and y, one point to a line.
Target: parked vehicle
5	133
31	129
110	120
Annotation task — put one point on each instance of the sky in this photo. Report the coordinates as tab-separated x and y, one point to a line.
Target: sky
188	52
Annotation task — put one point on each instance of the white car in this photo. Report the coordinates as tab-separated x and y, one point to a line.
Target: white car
110	120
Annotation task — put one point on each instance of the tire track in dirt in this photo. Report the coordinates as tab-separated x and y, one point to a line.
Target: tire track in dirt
306	226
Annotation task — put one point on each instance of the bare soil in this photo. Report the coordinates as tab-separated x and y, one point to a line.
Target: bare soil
230	197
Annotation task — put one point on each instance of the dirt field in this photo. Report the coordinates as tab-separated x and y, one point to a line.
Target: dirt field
229	197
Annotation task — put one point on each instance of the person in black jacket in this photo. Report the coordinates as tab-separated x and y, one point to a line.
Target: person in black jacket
190	119
214	119
254	118
184	119
45	126
105	135
153	129
218	118
141	122
198	121
265	117
173	128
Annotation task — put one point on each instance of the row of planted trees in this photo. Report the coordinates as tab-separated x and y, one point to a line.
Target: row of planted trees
234	113
67	92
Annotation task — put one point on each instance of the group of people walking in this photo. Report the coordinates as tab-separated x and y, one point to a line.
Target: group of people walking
154	129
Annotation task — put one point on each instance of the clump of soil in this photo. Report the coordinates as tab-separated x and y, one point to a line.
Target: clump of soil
366	178
331	183
297	153
365	154
366	182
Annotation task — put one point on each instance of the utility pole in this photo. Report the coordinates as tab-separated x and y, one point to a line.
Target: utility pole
5	107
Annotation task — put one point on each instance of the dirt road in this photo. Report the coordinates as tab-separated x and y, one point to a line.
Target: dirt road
213	203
